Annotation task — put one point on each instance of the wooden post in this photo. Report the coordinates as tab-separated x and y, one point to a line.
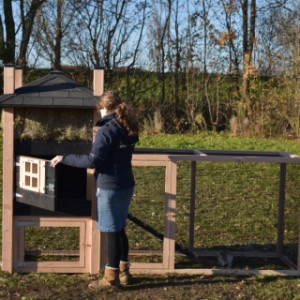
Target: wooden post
170	213
9	79
7	204
8	161
98	81
98	242
95	236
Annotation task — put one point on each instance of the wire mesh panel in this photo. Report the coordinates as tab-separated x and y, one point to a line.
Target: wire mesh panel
224	209
51	244
44	243
146	220
235	213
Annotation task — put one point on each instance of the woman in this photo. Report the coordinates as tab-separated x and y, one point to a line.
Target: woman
111	156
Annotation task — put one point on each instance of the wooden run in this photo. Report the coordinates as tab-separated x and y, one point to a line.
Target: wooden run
169	158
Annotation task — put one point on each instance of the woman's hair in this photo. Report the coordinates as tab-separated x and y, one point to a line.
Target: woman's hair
124	113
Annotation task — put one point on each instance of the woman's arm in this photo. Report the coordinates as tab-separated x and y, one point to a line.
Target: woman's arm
100	149
73	160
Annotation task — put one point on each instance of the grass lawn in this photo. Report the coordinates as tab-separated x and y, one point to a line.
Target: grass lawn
236	209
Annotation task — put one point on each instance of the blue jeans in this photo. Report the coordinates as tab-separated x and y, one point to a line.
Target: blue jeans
112	209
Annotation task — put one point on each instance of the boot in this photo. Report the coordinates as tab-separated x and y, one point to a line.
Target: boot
110	279
125	276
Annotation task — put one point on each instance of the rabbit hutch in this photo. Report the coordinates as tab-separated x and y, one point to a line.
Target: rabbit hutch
49	116
49	214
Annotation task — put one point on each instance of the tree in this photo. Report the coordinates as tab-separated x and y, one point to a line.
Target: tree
249	21
165	32
7	35
288	59
160	44
28	12
229	36
8	50
105	32
239	36
53	29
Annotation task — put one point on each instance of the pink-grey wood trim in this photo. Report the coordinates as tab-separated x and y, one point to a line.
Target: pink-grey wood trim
7	204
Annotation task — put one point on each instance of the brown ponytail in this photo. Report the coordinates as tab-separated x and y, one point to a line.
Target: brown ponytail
124	114
126	117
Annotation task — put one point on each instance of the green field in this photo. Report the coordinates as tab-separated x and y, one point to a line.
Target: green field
236	209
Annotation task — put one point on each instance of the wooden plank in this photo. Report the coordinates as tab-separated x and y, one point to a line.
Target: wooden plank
35	252
162	151
8	79
98	81
82	245
220	156
143	267
18	77
39	221
50	269
170	212
151	163
144	252
228	158
34	265
7	204
88	246
95	260
145	158
218	272
95	253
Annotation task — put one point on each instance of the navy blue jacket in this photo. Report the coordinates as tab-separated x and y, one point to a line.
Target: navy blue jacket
110	155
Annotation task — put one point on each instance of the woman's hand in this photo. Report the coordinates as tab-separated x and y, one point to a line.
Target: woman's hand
56	160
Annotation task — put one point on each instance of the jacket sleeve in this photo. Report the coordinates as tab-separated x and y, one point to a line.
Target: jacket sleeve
100	150
79	161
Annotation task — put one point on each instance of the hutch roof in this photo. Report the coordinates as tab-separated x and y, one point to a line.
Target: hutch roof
53	90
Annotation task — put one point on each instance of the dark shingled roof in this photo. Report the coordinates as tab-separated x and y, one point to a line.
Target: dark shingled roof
53	90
